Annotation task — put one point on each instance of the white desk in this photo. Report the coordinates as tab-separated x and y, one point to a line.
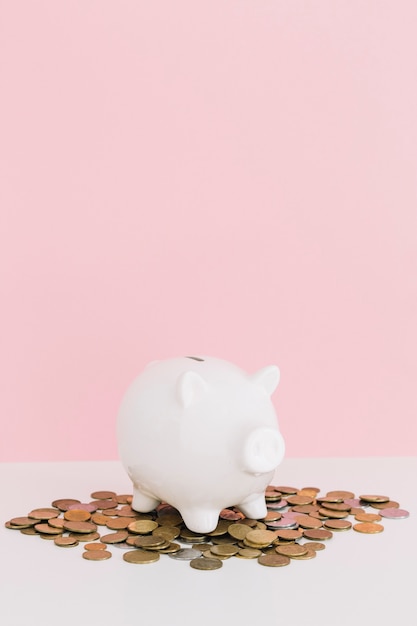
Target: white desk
357	579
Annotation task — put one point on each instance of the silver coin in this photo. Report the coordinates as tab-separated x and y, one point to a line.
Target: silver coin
123	546
392	513
185	554
282	524
277	506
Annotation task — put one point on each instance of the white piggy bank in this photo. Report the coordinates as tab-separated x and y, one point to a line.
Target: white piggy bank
202	435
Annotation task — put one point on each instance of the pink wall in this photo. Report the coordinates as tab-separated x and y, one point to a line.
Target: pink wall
226	177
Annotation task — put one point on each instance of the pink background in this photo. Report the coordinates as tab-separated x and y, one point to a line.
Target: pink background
230	178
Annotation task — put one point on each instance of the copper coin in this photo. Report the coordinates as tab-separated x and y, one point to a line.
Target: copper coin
99	519
274	560
289	535
80	527
118	523
206	563
90	507
394	513
77	515
367	517
95	546
310	554
124	498
333	514
374	498
271	516
96	555
85	536
118	537
320	534
141	556
315	545
336	506
46	529
308	491
230	515
104	504
305	509
391	504
286	490
66	542
306	521
23	522
340	494
338	524
28	531
368	528
127	511
56	522
291	550
103	495
43	514
64	503
299	500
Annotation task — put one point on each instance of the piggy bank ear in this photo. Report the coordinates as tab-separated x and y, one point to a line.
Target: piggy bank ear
267	378
190	388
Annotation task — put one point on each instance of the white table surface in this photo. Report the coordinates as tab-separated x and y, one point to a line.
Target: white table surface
357	579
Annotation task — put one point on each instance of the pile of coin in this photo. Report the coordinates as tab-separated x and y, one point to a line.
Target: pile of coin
296	524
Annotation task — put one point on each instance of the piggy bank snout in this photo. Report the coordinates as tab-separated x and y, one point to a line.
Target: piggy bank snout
263	450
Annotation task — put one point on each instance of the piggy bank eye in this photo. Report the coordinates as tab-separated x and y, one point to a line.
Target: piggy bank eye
196	358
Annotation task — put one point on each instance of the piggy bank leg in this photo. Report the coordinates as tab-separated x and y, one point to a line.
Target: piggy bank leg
254	508
142	502
200	520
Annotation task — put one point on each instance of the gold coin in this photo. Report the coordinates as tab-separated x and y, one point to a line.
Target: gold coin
170	519
77	515
248	553
338	524
238	531
368	517
369	528
142	526
46	529
85	536
259	538
96	555
118	537
79	527
221	528
310	554
66	542
274	560
141	556
171	548
103	495
224	550
206	563
190	536
167	532
43	514
95	546
99	519
150	541
291	550
318	534
374	498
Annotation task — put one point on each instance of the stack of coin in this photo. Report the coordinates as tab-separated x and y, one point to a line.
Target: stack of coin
296	525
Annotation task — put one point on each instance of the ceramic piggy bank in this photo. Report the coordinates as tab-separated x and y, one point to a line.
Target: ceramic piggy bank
200	434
